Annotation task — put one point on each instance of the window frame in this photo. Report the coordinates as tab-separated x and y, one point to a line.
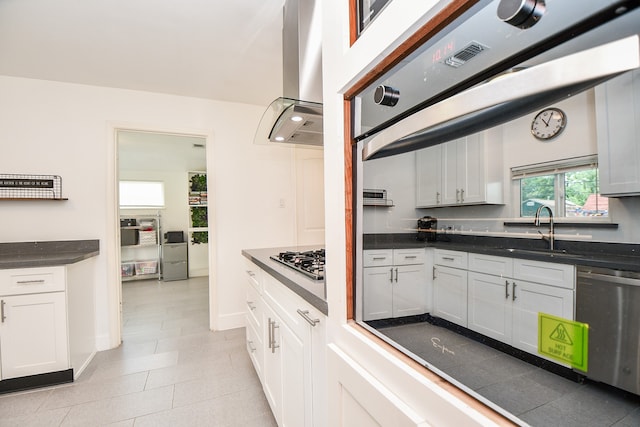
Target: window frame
158	184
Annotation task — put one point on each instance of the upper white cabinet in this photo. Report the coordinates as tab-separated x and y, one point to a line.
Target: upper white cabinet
466	171
618	130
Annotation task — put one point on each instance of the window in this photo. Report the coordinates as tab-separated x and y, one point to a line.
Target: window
569	187
141	194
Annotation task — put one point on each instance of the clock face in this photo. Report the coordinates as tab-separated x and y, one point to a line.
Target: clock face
548	123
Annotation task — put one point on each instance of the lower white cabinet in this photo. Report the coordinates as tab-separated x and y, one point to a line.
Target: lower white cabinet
450	286
286	340
505	307
33	334
33	322
395	283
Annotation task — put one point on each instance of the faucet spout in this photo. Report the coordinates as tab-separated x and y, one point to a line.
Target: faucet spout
536	222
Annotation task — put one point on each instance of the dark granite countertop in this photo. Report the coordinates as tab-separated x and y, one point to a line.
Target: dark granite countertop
312	291
46	254
618	256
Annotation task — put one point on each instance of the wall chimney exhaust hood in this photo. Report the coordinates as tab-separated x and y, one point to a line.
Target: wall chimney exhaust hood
296	117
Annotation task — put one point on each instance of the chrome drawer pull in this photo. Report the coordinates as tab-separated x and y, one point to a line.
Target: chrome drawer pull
447	258
251	305
506	289
379	258
2	316
410	257
30	282
305	316
252	348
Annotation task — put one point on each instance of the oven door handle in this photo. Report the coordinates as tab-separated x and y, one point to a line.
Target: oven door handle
505	98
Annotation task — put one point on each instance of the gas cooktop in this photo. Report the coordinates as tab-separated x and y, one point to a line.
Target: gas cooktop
310	263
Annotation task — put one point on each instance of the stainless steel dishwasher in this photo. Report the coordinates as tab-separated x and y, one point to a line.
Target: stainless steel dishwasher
609	302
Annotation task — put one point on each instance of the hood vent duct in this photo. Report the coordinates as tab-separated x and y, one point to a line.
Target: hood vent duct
297	116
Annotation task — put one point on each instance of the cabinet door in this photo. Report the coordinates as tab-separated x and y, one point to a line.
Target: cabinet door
33	334
531	298
409	290
272	373
429	177
377	293
471	169
450	294
618	130
490	307
450	188
296	378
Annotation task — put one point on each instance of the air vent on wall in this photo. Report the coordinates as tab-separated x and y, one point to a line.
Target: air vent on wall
461	57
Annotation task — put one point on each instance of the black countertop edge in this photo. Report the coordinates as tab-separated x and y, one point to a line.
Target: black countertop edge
47	253
564	224
619	256
312	291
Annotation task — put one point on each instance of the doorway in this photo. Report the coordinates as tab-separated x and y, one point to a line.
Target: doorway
151	230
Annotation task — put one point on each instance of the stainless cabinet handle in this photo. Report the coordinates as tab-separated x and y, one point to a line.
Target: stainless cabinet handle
391	274
30	282
462	195
457	195
251	305
437	198
513	296
379	258
506	289
434	272
447	258
410	256
251	273
270	332
2	316
396	275
252	348
273	336
305	316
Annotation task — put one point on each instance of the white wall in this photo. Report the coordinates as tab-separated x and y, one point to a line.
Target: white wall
65	129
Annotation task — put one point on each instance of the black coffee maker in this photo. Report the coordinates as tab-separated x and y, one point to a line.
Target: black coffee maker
427	229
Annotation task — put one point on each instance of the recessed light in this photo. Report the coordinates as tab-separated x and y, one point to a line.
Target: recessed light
279	138
296	118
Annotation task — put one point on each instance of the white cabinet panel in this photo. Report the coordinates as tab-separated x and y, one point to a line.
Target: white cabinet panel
490	306
618	130
378	293
450	294
33	334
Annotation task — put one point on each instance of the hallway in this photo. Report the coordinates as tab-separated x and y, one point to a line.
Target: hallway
169	371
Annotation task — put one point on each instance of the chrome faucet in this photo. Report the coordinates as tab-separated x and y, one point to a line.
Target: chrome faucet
536	222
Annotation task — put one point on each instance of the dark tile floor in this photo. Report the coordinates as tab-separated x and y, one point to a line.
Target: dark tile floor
534	395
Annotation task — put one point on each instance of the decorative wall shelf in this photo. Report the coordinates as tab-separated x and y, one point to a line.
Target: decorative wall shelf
30	187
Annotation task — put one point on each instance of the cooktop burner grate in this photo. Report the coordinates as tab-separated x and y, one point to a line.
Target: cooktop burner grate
310	263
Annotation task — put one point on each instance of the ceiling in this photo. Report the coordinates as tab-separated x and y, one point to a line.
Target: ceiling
214	49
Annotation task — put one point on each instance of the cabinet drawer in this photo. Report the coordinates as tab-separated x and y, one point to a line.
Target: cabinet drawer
254	276
408	256
451	258
547	273
254	307
377	257
32	280
489	264
174	252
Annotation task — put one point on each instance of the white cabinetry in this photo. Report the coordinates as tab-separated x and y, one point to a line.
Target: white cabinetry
466	171
285	340
450	286
33	326
618	131
506	295
395	283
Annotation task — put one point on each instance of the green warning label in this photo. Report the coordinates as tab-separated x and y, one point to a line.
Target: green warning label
564	340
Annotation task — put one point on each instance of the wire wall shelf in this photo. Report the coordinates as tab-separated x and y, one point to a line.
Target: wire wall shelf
30	187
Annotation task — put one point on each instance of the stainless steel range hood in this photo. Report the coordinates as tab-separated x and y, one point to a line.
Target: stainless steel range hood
297	116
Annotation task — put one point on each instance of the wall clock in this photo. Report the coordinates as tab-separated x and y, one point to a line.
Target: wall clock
548	123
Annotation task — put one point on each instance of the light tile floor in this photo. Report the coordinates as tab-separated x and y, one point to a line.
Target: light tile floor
169	371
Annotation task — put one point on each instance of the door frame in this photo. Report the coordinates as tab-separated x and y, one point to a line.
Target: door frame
113	224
